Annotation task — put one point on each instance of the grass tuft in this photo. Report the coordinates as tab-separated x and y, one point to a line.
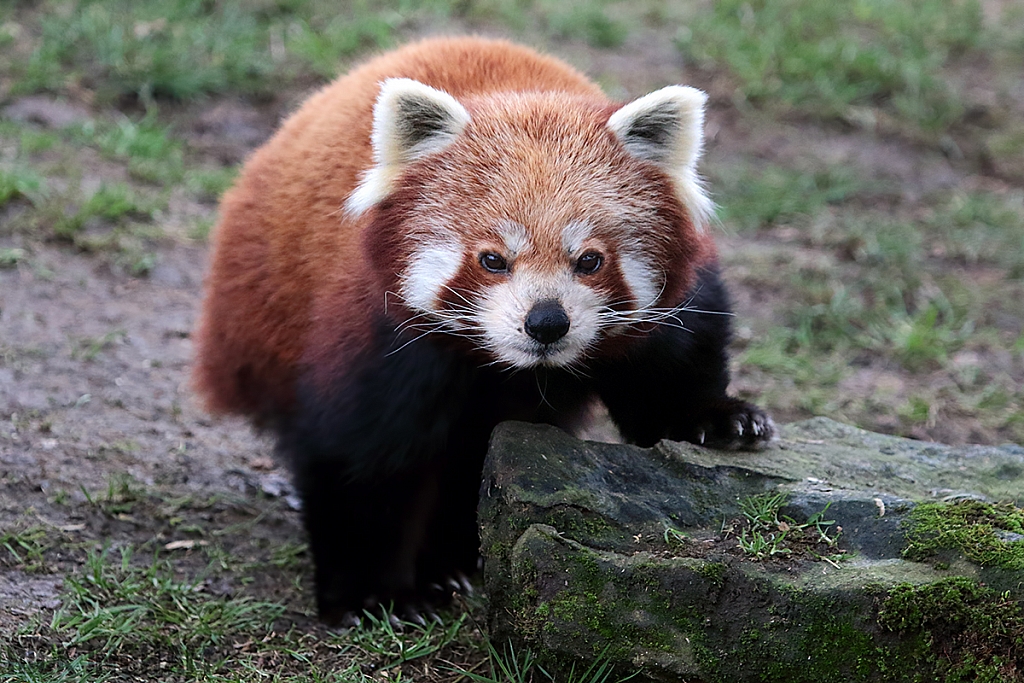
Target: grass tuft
758	197
509	666
119	609
21	183
24	547
379	638
766	533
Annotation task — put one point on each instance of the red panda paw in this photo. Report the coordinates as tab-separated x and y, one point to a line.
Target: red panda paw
400	612
402	608
735	425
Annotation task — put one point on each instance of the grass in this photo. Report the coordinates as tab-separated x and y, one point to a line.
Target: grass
755	197
123	609
186	49
114	203
509	666
152	154
380	639
325	42
766	533
118	611
209	184
18	183
179	49
869	310
587	21
128	612
11	257
54	197
913	291
980	228
835	59
24	547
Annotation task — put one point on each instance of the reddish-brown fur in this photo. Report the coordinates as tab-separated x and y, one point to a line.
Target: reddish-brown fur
294	280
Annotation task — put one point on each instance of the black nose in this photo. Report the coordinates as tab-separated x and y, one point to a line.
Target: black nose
547	321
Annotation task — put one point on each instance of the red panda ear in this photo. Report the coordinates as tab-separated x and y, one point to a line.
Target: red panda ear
410	121
666	127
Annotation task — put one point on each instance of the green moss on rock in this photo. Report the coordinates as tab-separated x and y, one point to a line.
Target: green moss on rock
968	632
810	637
988	534
713	572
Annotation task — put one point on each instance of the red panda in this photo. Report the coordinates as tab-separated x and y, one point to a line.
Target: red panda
456	233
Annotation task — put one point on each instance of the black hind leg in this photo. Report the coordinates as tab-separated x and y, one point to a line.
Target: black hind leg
673	386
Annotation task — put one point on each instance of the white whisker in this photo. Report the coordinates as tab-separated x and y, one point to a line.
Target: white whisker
414	339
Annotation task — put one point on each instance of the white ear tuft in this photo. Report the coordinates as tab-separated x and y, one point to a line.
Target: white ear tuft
666	127
410	121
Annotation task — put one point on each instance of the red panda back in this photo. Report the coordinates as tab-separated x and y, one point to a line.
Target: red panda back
283	239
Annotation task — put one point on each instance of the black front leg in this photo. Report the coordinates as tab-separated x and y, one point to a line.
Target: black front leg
673	384
369	458
366	535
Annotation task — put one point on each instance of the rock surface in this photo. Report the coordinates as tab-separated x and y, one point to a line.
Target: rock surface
607	551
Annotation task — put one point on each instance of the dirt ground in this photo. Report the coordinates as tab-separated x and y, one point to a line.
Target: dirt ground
104	444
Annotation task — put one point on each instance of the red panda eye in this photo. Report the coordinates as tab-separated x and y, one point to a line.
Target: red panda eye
493	262
588	263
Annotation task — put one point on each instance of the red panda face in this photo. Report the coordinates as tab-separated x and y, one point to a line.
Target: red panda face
538	300
535	225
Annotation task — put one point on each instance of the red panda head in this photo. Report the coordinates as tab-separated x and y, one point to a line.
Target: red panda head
538	225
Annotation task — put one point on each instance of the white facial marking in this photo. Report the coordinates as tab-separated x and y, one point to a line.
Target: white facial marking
641	278
504	308
432	266
573	236
515	237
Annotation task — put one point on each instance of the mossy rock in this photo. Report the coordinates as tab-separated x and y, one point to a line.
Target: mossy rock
607	551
